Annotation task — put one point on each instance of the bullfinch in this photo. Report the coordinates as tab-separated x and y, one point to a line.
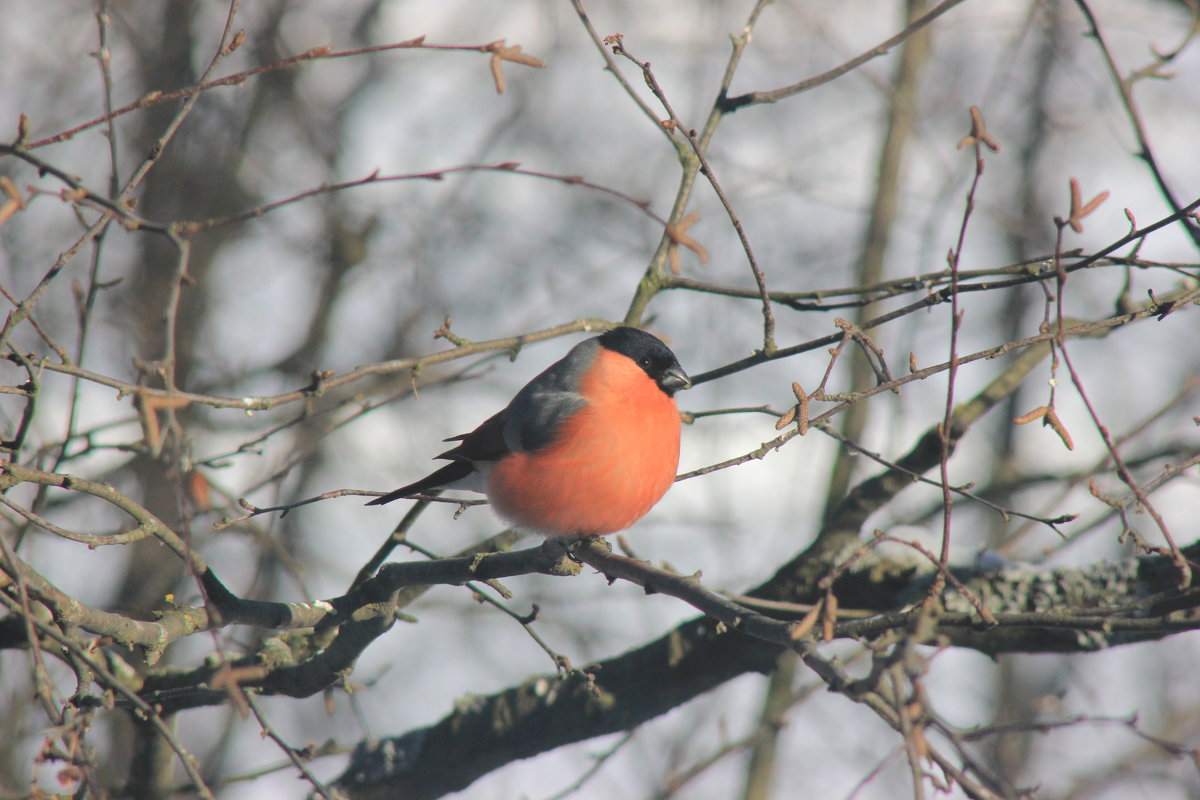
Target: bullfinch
585	449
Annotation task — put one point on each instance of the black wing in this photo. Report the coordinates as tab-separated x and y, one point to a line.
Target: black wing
525	425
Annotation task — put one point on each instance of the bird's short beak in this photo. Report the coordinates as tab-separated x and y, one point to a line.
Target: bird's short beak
675	379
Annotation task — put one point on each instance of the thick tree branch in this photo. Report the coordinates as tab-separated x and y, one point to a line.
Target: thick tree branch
547	712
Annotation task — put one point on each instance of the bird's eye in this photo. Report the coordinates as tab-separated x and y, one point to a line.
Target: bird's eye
644	362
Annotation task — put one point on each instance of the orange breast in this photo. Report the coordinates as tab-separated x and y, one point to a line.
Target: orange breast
611	462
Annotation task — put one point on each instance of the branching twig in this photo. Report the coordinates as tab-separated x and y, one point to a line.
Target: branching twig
698	150
731	104
977	139
1125	90
1079	210
322	52
324	384
1083	329
943	295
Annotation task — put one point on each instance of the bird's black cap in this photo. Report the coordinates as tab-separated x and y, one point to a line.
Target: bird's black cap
649	353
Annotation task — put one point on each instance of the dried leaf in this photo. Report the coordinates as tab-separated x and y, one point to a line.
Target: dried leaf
1093	204
502	52
802	408
829	610
978	133
1075	226
1037	413
677	233
148	406
805	626
149	420
515	55
10	189
169	402
1079	209
14	203
497	73
1054	422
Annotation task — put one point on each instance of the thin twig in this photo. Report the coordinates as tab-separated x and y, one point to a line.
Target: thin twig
323	384
110	681
732	104
189	228
941	296
319	53
1095	328
297	757
1125	90
977	139
707	171
1077	212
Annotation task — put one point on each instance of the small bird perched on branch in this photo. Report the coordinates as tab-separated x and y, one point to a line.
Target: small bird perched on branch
584	449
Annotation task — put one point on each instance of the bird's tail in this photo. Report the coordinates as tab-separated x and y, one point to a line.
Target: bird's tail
455	470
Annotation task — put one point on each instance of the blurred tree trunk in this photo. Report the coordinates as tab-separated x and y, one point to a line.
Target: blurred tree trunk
902	112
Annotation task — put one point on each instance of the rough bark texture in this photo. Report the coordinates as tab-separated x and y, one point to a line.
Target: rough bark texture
549	711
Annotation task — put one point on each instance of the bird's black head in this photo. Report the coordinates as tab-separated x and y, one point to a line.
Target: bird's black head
649	353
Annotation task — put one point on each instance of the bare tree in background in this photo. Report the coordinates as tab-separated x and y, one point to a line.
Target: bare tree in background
932	267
